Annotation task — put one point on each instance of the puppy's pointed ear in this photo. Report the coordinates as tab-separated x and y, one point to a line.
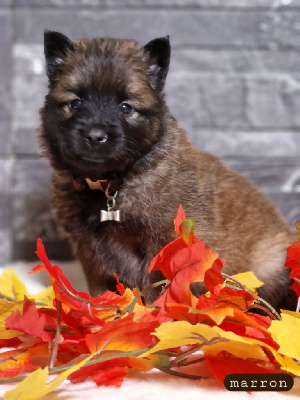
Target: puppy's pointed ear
56	46
157	54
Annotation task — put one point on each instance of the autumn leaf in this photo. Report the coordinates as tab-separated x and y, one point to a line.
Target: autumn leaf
107	373
184	227
222	365
11	286
112	372
120	287
6	308
97	309
44	297
34	386
293	262
286	363
240	298
286	333
182	265
180	217
249	280
295	286
19	361
213	279
293	256
65	324
212	340
123	335
30	321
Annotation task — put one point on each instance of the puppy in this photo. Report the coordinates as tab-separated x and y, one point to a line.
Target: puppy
122	165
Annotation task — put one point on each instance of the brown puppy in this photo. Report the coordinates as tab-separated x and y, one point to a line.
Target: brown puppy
105	119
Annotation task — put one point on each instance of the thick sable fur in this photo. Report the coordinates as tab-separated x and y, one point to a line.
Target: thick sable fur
89	82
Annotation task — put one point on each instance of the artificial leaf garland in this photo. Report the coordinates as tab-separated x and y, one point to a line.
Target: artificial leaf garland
66	332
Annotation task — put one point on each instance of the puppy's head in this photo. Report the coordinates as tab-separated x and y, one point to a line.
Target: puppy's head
103	109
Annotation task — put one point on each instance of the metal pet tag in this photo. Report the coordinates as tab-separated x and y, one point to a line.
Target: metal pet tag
110	216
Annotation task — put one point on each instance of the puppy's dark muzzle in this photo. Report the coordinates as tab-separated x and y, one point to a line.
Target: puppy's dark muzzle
96	137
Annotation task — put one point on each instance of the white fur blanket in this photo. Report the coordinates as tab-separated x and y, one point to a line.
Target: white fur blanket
140	386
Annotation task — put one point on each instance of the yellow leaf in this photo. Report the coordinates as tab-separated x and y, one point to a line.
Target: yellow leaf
249	280
292	313
11	286
287	363
213	339
6	308
286	333
45	296
34	386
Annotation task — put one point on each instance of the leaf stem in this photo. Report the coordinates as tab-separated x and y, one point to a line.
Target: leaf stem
55	343
265	306
131	306
97	360
234	280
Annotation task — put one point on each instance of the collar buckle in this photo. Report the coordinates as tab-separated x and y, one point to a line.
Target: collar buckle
100	184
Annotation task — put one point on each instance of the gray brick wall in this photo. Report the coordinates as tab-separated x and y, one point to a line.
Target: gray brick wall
234	85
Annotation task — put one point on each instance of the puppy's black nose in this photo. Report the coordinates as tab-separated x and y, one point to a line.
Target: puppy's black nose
96	136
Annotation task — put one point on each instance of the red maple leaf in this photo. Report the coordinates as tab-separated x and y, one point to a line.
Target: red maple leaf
106	373
184	262
31	321
88	307
225	365
293	256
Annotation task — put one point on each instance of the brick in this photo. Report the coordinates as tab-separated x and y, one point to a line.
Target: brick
288	203
5	3
243	143
31	202
32	212
25	142
29	89
6	166
276	174
247	62
163	3
186	27
206	101
5	63
5	246
279	29
273	102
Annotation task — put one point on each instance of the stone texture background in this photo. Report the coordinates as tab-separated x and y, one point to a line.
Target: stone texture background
234	85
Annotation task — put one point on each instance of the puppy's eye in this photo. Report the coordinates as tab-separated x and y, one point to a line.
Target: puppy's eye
74	104
126	108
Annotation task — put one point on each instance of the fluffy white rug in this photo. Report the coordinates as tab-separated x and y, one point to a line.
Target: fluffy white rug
140	386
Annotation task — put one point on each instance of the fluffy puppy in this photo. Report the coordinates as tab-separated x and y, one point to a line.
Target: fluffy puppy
122	165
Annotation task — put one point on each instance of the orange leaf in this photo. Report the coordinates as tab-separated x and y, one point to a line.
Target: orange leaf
123	335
